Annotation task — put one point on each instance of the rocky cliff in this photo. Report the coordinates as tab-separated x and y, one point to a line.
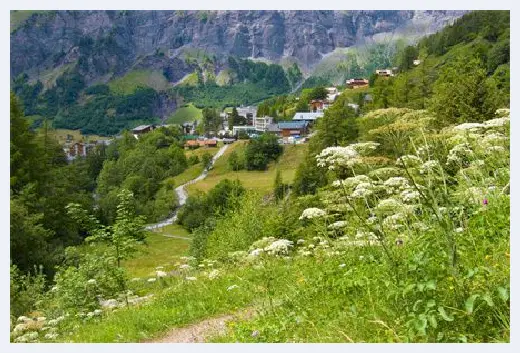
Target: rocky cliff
107	43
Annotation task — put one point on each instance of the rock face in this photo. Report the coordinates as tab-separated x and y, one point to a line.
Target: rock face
112	42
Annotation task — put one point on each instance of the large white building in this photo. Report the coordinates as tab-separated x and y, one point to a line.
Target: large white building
261	124
307	116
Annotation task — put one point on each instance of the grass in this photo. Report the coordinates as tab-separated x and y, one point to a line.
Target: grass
255	180
159	251
128	83
185	114
190	80
61	136
18	17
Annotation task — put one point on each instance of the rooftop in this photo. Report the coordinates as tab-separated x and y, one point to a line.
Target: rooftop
292	124
307	116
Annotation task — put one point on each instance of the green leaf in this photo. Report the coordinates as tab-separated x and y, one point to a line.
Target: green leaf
487	298
470	302
503	293
433	321
431	284
430	304
444	315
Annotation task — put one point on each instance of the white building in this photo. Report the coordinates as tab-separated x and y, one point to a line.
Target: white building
261	124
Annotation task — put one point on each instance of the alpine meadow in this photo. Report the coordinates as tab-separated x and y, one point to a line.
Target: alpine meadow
260	176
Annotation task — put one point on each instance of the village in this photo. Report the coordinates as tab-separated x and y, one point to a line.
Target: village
294	131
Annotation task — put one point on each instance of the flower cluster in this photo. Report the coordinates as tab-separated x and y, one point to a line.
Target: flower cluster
313	212
408	160
333	157
468	126
279	247
338	225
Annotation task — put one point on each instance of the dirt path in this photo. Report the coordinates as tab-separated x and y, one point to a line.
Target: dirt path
199	332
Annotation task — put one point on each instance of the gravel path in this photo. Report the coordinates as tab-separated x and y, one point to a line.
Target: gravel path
182	195
203	330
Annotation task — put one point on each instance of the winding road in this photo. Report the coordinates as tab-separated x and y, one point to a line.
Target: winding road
182	195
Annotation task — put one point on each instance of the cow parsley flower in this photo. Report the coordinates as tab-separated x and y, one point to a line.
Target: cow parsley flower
151	280
458	153
191	278
496	122
389	205
492	149
213	274
363	190
396	183
338	225
429	166
468	126
410	195
279	247
185	267
234	286
313	212
333	157
394	221
257	252
408	161
160	274
364	147
300	241
91	281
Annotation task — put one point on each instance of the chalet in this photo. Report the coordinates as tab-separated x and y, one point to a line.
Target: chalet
293	128
317	105
309	117
273	129
354	83
78	149
385	73
210	143
192	144
143	129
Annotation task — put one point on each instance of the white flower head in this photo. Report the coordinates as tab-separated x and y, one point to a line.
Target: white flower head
338	225
313	212
151	280
230	288
408	161
333	157
160	274
91	281
279	247
468	126
191	278
213	274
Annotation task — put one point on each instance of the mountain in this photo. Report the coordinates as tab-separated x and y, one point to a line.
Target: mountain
62	53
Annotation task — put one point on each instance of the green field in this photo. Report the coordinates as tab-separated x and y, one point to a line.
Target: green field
61	136
133	79
257	180
187	113
159	251
18	17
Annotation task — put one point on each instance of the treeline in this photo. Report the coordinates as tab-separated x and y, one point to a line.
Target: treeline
42	183
100	112
143	167
463	74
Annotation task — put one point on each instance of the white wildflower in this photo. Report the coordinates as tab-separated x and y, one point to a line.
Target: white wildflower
91	281
394	221
213	274
408	161
135	279
159	267
459	230
313	212
342	265
279	247
202	265
185	267
98	312
311	246
262	243
300	241
396	183
459	152
232	287
51	336
52	322
384	173
468	126
389	205
361	257
410	195
338	225
151	280
371	219
363	190
495	149
496	122
23	319
429	166
41	318
494	138
191	278
257	252
160	274
333	157
20	328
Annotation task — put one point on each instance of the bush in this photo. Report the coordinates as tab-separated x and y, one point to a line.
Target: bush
261	151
